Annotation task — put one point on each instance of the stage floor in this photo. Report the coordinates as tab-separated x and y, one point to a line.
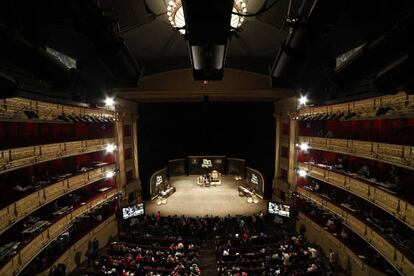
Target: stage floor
192	200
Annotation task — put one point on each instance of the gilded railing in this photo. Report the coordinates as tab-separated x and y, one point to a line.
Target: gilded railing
394	256
398	155
31	249
400	104
12	159
28	204
397	207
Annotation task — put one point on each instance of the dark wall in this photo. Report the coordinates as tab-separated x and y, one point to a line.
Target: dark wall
176	130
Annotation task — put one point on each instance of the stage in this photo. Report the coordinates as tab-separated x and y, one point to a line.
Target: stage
191	199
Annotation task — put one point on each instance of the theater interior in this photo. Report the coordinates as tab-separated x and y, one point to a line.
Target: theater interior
219	137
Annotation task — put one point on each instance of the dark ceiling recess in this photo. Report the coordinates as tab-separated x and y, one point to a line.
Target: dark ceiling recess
207	33
291	52
321	32
83	30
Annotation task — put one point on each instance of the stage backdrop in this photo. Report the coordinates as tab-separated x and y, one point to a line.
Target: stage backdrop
159	180
206	164
254	179
236	166
176	167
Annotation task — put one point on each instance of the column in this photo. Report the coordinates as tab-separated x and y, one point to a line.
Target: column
120	159
293	130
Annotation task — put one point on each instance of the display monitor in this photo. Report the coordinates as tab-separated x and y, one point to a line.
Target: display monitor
133	211
279	209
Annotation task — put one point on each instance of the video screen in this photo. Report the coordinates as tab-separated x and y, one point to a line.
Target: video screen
279	209
133	211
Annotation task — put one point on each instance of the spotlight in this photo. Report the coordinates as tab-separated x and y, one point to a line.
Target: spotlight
303	100
109	174
304	146
110	148
109	102
302	173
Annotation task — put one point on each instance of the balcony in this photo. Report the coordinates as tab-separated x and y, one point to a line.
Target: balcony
391	203
75	241
398	155
393	255
26	205
12	159
14	108
401	104
363	258
26	253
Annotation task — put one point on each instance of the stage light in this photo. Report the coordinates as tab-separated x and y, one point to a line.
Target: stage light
109	174
303	100
304	146
109	102
110	148
302	173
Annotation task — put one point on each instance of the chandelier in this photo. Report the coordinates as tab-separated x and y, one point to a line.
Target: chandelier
175	14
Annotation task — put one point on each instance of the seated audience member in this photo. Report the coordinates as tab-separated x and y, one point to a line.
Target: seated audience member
332	259
19	188
364	171
344	235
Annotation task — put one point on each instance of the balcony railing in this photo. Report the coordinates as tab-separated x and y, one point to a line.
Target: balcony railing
385	248
107	227
28	204
331	241
12	159
401	104
30	250
398	155
397	207
14	108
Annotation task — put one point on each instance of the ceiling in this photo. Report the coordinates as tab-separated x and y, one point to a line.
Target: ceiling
152	36
333	28
117	42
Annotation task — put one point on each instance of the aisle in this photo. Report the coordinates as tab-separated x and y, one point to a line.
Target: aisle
208	263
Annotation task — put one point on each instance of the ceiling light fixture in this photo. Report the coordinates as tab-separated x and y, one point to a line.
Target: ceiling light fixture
175	13
110	102
304	146
303	100
110	148
109	174
302	173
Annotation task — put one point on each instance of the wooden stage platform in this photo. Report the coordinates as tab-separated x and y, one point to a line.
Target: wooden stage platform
192	200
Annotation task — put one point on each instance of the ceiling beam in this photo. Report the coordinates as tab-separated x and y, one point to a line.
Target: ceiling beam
196	95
